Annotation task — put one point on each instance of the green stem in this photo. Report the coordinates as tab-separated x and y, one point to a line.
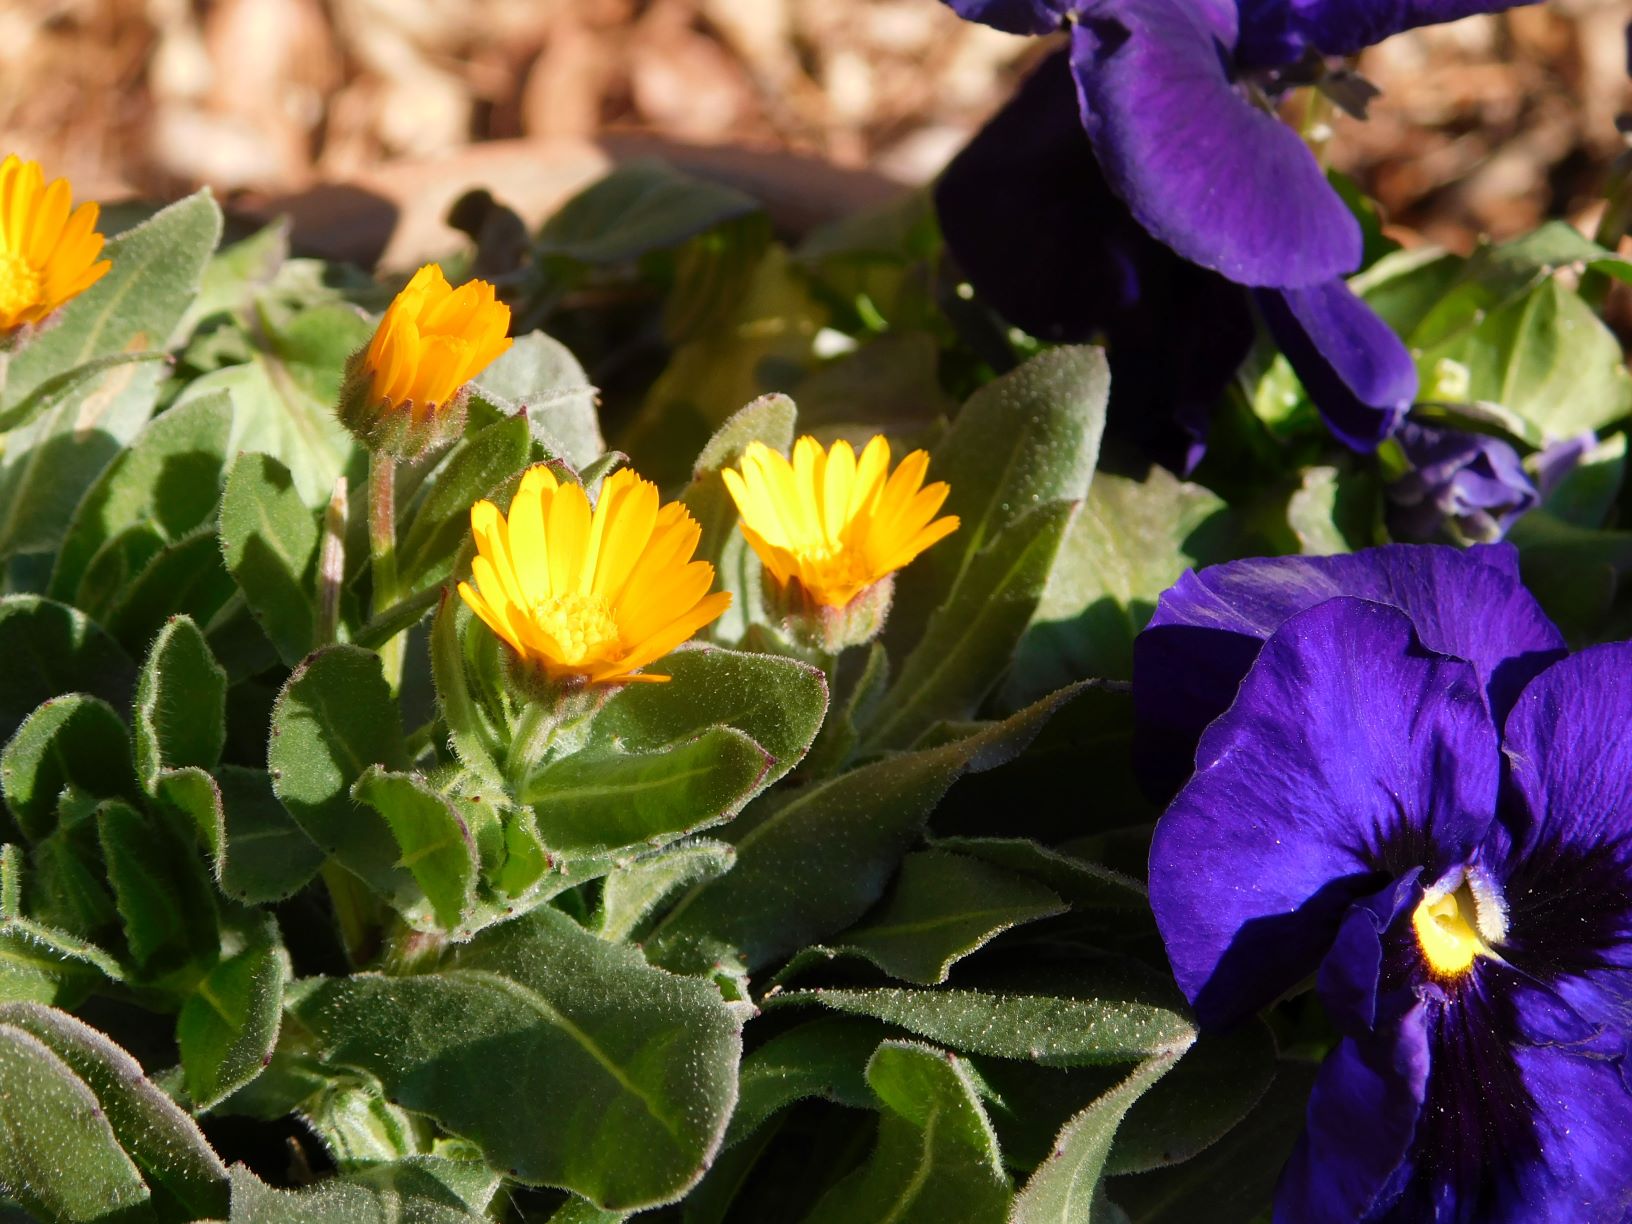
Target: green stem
356	911
382	544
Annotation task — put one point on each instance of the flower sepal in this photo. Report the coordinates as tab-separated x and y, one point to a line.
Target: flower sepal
826	628
403	430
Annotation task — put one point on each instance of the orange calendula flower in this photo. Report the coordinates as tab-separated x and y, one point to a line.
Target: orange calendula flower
405	392
832	523
48	250
590	595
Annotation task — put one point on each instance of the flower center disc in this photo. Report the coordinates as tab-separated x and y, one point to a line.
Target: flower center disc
1457	926
836	573
19	284
581	625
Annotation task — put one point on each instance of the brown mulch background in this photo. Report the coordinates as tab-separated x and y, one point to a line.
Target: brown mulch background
1488	125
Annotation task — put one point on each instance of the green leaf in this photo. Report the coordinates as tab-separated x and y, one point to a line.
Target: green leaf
392	1194
284	394
811	861
942	908
1216	1084
334	718
163	895
181	704
1131	541
258	852
594	802
936	1157
75	741
1574	571
1231	1181
49	463
770	420
1084	884
168	481
128	1115
60	1158
442	521
640	207
229	1024
1062	1189
39	964
51	649
632	895
269	538
826	1057
539	377
186	578
1026	439
66	388
437	846
778	703
1103	1019
602	1056
970	641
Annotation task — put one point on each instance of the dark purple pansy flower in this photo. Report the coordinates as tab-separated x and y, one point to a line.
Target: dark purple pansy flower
1210	625
1471	485
1459	886
1038	231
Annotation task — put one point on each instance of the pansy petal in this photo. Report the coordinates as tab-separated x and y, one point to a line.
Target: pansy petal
1014	16
1567	872
1350	755
1207	629
1344	27
1225	184
1372	1087
1356	370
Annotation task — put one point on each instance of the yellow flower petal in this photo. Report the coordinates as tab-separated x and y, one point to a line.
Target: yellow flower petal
433	339
48	249
832	522
590	595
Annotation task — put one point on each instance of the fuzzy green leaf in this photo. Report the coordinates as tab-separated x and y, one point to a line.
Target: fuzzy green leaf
778	703
73	741
639	208
184	1179
168	481
594	802
936	1157
632	895
826	1057
601	1055
440	524
437	846
970	641
390	1194
51	649
539	377
942	908
164	897
811	861
269	538
258	852
181	704
1084	884
229	1024
1026	439
1062	1189
186	578
334	718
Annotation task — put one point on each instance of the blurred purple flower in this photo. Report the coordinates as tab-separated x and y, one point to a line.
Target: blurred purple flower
1466	485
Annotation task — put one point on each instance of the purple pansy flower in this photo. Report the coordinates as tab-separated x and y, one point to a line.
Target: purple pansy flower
1470	484
1210	625
1458	883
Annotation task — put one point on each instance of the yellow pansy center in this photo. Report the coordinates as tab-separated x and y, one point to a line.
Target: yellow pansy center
20	286
581	624
1457	923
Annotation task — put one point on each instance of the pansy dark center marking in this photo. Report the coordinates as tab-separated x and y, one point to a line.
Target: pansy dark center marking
1459	920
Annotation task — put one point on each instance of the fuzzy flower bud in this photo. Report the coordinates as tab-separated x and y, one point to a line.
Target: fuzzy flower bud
405	392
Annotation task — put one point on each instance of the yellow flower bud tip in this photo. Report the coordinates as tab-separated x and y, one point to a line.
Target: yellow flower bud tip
433	340
48	249
833	523
588	595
